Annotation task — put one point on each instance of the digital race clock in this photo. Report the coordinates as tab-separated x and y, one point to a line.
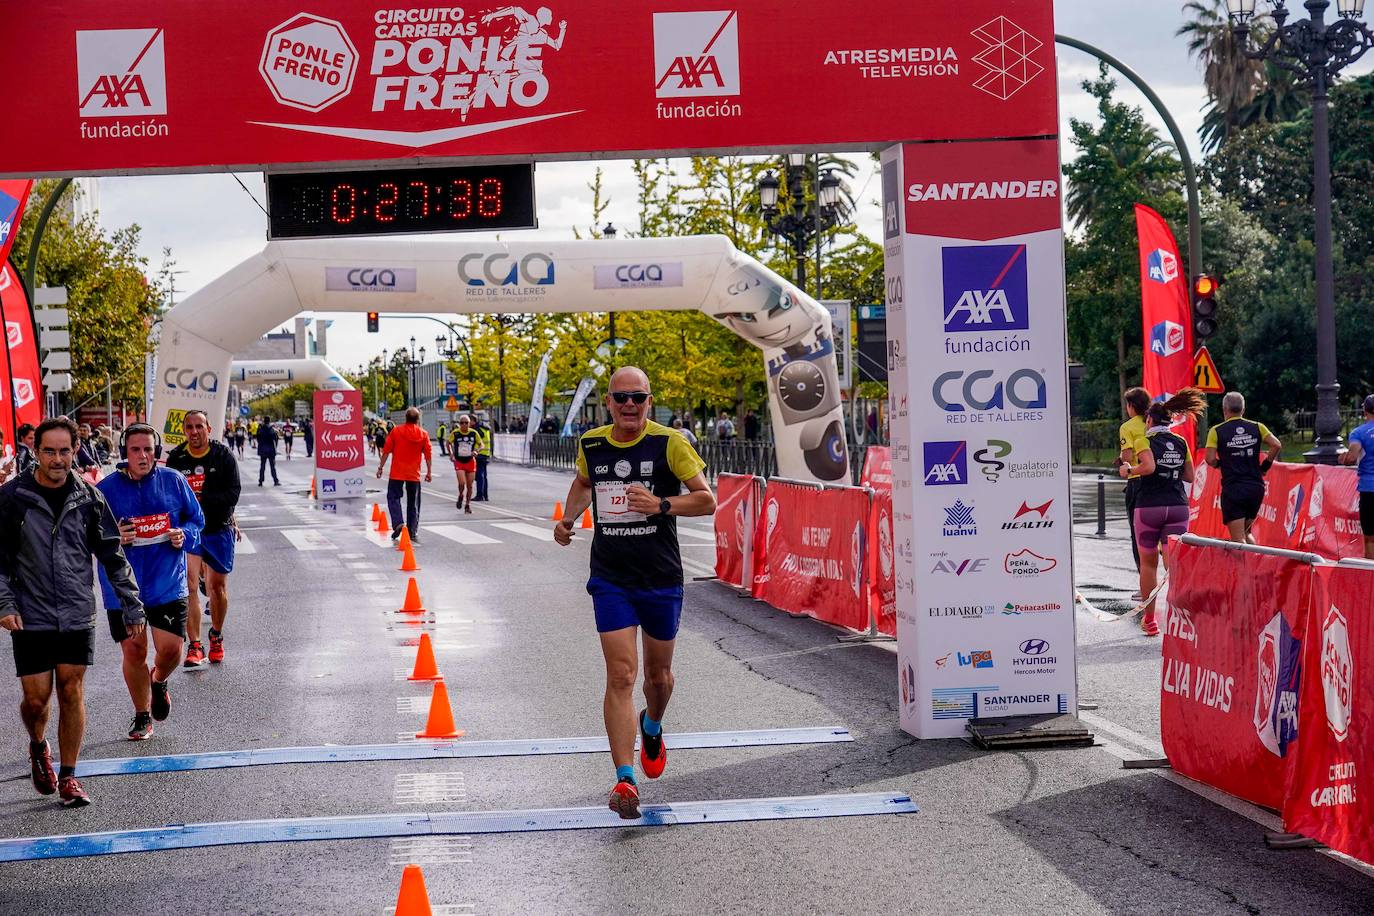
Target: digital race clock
385	201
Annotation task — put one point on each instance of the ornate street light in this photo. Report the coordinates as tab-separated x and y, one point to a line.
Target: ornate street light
806	221
1316	51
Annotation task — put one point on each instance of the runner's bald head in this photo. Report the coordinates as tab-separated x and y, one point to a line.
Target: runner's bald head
629	378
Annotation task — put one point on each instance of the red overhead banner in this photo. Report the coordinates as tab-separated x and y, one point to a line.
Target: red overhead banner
817	551
215	85
1166	312
23	377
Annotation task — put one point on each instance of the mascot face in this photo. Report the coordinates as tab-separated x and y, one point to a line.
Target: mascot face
762	312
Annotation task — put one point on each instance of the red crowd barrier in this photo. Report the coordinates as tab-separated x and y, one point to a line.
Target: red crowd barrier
882	575
1264	658
1306	507
736	518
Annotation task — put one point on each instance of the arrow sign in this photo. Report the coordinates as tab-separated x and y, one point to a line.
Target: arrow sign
1206	378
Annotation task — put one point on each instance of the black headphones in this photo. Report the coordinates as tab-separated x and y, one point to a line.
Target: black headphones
134	429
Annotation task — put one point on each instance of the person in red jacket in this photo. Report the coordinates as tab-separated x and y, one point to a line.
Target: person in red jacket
405	446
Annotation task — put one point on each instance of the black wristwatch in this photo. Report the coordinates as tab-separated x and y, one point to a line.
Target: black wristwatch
664	507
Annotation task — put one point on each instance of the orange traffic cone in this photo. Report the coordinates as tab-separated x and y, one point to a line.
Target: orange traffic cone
312	486
382	527
408	563
376	513
557	510
426	668
587	518
412	604
414	899
403	542
440	721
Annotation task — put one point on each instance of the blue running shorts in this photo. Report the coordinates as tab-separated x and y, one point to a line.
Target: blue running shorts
657	610
217	550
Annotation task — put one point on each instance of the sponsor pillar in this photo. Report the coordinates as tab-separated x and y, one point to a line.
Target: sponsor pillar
974	262
339	452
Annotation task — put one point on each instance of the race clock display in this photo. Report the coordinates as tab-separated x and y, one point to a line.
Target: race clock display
389	201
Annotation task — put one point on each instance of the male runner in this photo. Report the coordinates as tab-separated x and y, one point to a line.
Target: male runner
213	473
51	524
633	470
1361	452
1234	446
406	445
158	515
466	444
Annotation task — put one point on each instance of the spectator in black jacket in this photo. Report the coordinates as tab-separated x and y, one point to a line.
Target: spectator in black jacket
267	452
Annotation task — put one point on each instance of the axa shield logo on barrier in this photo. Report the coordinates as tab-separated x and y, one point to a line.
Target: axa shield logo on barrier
696	54
1161	266
1166	338
946	463
985	289
636	276
1276	696
1338	672
179	379
1294	511
120	73
959	391
8	207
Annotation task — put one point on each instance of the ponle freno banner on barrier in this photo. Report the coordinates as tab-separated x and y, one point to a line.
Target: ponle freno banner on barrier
213	84
978	392
817	551
339	448
882	552
1233	639
1166	313
735	519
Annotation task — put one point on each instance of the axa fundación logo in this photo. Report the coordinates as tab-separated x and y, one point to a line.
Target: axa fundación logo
1007	57
696	55
121	73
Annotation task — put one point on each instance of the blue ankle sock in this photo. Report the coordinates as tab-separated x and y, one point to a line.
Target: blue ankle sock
625	772
651	727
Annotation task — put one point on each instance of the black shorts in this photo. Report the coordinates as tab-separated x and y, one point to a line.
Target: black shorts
1367	514
169	617
37	651
1241	503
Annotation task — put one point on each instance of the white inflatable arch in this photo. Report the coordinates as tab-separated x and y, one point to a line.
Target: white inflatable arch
248	373
457	276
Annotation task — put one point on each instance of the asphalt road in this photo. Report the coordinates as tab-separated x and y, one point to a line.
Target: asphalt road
313	650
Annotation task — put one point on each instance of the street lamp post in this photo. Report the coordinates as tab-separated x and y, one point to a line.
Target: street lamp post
1316	51
807	220
449	348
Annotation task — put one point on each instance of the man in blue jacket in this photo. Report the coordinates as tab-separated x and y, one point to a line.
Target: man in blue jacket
157	512
51	523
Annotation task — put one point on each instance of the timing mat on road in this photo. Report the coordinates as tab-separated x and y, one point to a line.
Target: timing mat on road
439	750
290	830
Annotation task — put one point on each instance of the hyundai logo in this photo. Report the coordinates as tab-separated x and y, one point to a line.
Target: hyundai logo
1035	647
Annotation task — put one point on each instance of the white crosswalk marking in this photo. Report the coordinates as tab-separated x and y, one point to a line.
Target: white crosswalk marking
308	539
696	533
529	531
460	534
244	546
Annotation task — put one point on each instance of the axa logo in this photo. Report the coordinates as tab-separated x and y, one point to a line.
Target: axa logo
946	463
1166	338
696	54
120	72
501	269
1294	511
23	392
1029	516
190	380
985	289
1161	266
1024	388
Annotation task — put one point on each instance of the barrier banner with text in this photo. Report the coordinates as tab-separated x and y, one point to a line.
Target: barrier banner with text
1306	507
339	448
1233	654
882	567
1331	798
212	85
817	552
736	508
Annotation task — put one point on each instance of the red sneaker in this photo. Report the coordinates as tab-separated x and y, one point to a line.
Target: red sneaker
653	756
1149	626
216	648
44	776
195	656
624	800
73	796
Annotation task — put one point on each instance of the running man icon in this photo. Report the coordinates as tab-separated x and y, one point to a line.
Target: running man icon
531	32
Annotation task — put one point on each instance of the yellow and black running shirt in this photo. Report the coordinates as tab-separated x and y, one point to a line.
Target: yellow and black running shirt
1239	442
1130	431
463	446
629	548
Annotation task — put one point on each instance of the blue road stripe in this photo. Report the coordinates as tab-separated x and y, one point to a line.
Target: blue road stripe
440	750
370	826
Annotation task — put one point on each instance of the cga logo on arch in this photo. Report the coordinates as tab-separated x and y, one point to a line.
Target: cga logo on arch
369	279
637	276
180	379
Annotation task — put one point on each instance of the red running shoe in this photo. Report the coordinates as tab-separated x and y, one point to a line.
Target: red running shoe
195	656
216	647
624	800
1149	626
73	796
44	776
653	756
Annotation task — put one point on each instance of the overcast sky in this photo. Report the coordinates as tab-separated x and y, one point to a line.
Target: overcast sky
210	223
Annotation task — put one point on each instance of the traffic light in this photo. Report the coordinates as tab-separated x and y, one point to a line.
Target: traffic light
373	320
1204	306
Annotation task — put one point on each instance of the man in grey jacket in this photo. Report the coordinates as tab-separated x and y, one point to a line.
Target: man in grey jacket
51	523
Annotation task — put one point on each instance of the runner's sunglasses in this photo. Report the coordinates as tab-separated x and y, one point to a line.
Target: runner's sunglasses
639	397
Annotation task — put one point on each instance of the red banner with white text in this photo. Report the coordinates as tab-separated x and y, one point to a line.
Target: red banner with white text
1232	658
172	85
817	551
24	375
1166	312
1306	507
882	580
1331	795
13	195
735	521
